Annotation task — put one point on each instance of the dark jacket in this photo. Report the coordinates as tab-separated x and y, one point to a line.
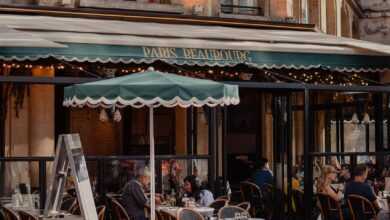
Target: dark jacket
134	199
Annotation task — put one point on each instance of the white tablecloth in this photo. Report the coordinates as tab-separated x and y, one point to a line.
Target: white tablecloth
383	204
205	211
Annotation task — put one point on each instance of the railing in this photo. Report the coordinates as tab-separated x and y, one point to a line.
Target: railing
107	173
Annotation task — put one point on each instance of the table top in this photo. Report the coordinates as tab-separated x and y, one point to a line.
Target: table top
206	211
69	217
38	213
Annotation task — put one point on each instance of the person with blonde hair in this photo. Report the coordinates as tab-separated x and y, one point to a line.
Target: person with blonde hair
327	177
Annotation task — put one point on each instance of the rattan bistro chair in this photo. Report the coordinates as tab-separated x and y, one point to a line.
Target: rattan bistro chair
251	193
68	203
189	214
26	216
231	211
330	208
245	205
119	211
218	204
101	211
166	215
9	214
361	208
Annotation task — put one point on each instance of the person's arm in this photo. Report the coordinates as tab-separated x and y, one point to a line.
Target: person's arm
333	194
139	196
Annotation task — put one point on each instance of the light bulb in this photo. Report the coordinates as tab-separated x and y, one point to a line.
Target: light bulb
103	115
117	116
355	118
366	118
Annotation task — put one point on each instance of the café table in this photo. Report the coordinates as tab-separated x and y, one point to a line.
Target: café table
384	213
173	210
39	213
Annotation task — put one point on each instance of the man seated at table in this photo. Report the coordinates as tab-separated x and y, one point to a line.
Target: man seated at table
263	174
358	185
134	197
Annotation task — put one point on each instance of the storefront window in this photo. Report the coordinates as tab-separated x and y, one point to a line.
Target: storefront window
173	173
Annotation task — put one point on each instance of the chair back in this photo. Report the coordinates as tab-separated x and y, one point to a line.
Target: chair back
26	216
75	208
118	210
68	203
268	198
166	215
189	214
101	211
158	214
9	214
231	211
218	204
361	208
330	208
222	197
251	193
245	205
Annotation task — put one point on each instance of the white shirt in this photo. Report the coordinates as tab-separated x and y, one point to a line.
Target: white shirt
206	198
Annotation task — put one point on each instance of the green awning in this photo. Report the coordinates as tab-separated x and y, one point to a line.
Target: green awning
82	52
151	89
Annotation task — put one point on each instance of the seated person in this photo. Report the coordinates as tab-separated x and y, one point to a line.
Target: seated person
262	174
192	189
344	175
134	197
358	185
328	176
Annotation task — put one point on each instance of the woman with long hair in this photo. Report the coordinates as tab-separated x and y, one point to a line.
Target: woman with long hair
192	188
327	177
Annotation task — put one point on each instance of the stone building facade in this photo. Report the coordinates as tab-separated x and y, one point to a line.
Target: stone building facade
34	126
375	26
338	17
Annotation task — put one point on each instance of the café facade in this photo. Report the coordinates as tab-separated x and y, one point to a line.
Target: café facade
297	87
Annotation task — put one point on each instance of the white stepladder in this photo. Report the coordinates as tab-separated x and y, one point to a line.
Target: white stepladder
69	154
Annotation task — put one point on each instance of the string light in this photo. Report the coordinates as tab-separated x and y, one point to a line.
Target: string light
216	73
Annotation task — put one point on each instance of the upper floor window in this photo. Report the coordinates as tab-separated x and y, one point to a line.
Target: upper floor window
244	7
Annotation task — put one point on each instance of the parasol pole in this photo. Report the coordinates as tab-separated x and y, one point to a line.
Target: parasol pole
152	167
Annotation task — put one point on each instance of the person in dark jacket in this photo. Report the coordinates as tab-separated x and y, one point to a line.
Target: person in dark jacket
263	173
134	197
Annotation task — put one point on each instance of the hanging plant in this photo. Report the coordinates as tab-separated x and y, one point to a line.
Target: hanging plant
9	90
18	91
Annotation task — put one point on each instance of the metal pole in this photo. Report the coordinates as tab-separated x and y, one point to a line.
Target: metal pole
289	154
342	140
42	183
224	150
212	146
190	131
308	178
378	106
152	166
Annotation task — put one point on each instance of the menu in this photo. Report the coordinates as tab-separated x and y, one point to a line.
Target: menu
69	155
